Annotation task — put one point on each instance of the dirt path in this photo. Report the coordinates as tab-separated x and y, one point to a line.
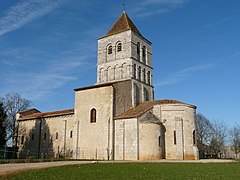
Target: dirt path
11	169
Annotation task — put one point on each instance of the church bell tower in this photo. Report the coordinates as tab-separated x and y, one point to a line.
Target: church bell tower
124	54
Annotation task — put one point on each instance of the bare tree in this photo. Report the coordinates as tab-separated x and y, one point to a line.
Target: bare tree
235	138
13	103
218	138
211	137
204	129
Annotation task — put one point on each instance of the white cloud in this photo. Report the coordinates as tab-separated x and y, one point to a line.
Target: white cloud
36	85
24	12
183	75
41	80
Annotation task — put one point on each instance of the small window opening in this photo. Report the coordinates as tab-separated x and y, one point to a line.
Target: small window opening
110	50
138	51
139	73
119	47
159	141
71	134
56	135
194	137
174	137
93	114
134	71
144	54
144	75
148	77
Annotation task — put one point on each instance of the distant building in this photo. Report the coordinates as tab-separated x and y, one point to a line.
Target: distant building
117	118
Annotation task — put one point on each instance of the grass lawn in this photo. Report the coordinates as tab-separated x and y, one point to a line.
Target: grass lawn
138	171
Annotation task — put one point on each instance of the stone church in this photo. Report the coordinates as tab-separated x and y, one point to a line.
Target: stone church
117	118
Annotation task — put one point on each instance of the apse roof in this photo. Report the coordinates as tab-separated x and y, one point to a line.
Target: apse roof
145	106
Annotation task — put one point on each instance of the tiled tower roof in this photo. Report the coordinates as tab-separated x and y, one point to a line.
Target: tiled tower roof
123	23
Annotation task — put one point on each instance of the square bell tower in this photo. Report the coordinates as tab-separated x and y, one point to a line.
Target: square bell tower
124	54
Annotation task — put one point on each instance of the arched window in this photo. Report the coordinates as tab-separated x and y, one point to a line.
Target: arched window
139	73
134	71
137	94
194	137
110	49
119	47
56	135
144	54
144	75
93	114
146	95
138	51
148	77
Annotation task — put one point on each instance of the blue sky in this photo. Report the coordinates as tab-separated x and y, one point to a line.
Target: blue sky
48	48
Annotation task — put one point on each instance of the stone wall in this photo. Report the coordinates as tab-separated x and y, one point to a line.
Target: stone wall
46	137
117	65
126	139
122	96
149	148
179	120
94	140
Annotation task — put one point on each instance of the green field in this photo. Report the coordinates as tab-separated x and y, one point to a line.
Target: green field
138	171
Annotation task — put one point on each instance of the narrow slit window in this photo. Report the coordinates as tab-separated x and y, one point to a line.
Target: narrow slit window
93	114
139	73
194	137
148	77
138	51
71	134
56	135
144	54
134	71
174	137
144	75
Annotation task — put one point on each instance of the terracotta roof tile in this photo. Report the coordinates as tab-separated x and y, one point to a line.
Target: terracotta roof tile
48	114
145	106
123	23
28	112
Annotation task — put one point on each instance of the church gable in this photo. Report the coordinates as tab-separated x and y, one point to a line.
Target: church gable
148	118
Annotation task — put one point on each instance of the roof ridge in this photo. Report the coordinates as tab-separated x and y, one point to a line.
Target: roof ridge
48	114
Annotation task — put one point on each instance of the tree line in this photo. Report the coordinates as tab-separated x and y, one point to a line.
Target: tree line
214	136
